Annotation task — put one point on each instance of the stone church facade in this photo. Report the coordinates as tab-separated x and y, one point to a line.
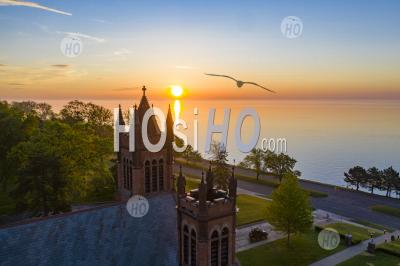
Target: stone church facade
206	216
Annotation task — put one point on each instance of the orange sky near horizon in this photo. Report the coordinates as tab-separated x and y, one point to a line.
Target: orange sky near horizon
76	82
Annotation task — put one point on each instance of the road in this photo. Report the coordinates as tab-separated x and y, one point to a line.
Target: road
351	204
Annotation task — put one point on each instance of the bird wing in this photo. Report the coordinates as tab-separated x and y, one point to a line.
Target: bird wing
216	75
253	83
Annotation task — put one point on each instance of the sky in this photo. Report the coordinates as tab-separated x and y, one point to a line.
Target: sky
346	50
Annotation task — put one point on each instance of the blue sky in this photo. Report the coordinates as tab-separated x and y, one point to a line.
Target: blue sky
347	48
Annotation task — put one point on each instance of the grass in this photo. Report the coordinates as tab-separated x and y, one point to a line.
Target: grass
192	183
190	164
251	209
378	259
392	248
372	225
386	210
359	233
304	250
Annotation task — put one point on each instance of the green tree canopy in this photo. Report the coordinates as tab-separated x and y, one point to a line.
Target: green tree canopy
356	176
221	170
280	164
290	210
254	160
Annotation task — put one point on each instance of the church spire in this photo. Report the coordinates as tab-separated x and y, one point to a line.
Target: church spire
170	125
120	116
144	90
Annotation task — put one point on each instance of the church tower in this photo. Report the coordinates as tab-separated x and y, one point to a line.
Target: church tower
144	172
206	223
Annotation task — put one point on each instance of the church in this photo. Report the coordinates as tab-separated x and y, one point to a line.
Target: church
185	228
206	217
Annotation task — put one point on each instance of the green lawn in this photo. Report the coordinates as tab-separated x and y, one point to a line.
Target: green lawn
391	247
192	183
378	259
359	233
386	210
304	250
372	225
251	209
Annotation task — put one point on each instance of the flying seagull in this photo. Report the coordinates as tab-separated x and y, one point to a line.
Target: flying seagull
239	83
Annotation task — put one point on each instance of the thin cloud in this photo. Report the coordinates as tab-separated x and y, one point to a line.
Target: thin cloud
2	65
31	4
81	35
15	84
60	65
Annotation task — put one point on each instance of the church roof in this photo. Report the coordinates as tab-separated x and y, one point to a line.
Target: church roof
102	236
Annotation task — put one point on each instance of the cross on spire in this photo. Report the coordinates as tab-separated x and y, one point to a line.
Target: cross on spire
144	90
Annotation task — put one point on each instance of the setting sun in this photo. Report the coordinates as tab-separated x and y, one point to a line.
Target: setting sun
176	91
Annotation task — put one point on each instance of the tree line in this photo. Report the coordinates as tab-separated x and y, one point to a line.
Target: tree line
49	160
270	162
373	179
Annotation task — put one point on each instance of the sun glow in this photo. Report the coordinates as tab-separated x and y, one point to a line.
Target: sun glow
176	91
177	108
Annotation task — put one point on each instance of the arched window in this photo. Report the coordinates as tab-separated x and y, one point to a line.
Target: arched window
147	177
214	249
225	247
154	176
193	256
161	175
186	245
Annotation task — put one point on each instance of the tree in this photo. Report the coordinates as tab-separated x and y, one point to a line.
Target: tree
74	112
390	179
191	155
356	176
94	116
15	127
280	164
43	111
254	160
290	210
221	170
57	164
374	179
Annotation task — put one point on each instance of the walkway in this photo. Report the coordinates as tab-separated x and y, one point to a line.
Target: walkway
352	251
242	236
